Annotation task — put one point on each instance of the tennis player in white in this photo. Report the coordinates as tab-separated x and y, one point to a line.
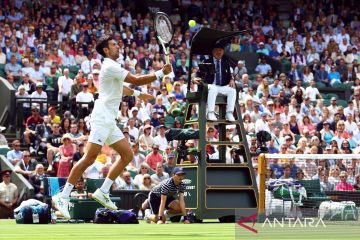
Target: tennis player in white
103	124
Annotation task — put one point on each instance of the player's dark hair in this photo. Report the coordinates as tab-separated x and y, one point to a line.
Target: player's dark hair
102	43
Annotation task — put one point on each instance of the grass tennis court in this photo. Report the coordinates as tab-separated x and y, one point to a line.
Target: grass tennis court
10	230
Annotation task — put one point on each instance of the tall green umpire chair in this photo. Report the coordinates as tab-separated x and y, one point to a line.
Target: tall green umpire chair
215	189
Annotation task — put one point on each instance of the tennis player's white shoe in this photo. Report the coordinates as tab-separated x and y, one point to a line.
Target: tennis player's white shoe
104	199
63	205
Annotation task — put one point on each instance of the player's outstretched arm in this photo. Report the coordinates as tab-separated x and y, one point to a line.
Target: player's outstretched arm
131	92
148	78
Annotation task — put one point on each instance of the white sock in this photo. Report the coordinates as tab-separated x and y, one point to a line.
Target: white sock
105	188
67	190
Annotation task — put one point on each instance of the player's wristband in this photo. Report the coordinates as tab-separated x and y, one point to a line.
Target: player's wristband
159	74
160	218
136	93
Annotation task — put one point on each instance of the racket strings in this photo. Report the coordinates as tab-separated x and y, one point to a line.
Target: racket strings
164	29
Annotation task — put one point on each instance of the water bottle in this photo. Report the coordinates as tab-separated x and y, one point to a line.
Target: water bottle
140	214
53	216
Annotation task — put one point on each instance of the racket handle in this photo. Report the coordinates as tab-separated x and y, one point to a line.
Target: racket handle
167	56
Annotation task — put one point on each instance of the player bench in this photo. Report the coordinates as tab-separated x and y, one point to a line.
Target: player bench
314	193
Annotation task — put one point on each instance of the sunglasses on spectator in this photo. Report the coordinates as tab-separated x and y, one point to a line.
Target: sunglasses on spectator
26	155
146	178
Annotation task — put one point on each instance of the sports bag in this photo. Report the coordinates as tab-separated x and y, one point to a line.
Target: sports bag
107	216
37	214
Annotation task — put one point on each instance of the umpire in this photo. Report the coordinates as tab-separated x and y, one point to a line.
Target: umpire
163	197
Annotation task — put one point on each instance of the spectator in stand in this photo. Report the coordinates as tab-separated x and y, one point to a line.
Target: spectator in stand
92	88
79	153
67	60
321	75
277	168
65	124
80	57
87	65
309	168
326	133
27	69
343	185
298	58
26	166
21	96
262	49
64	85
154	157
325	184
139	158
287	173
95	78
312	92
52	115
37	181
84	97
160	139
146	141
142	170
334	76
15	155
79	191
76	88
128	182
74	134
275	88
240	70
38	74
159	174
31	123
334	173
147	183
29	86
13	68
40	95
295	75
262	124
263	68
169	165
53	144
8	196
67	151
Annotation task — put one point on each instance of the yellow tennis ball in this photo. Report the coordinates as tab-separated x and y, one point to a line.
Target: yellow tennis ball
192	23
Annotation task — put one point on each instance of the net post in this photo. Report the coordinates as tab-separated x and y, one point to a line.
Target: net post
262	177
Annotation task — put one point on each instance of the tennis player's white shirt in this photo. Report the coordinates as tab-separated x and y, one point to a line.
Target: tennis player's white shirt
103	125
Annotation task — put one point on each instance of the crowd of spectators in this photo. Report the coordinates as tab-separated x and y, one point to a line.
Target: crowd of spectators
47	53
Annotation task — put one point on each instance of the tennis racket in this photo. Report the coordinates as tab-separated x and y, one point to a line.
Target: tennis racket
164	31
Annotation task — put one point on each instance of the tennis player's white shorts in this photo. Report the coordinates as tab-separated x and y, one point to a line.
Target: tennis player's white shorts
104	132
